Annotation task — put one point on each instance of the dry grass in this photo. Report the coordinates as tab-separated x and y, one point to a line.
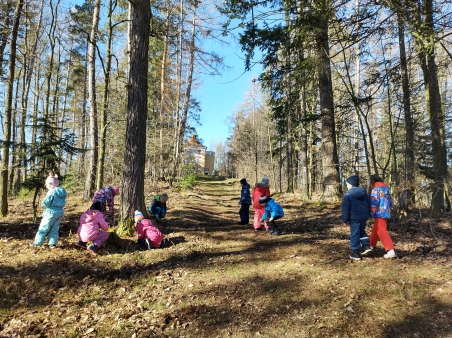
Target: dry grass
224	280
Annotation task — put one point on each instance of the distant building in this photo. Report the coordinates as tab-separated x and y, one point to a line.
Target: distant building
195	153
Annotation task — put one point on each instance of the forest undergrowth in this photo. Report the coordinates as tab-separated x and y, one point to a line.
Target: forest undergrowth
221	279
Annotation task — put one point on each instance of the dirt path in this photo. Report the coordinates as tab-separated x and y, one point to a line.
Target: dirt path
221	279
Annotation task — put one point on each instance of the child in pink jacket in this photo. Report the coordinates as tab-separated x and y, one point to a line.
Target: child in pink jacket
148	235
89	230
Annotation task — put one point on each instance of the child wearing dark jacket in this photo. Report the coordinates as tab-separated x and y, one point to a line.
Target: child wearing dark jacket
355	211
245	202
158	206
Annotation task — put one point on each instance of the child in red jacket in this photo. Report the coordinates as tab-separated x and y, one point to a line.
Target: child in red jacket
148	235
260	189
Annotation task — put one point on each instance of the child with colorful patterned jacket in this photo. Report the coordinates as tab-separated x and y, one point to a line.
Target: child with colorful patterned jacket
260	189
54	203
93	228
272	212
148	234
380	210
106	196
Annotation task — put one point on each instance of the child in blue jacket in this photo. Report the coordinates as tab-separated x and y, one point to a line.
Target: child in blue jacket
355	211
54	203
272	212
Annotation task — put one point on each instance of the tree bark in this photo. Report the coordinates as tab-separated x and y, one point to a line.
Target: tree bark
409	128
8	109
330	161
104	114
427	53
137	89
94	132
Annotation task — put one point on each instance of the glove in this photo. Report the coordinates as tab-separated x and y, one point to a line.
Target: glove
270	219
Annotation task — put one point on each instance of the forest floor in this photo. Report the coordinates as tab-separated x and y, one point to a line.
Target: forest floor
221	279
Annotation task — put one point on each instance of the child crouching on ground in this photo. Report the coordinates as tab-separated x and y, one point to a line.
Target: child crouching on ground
148	235
273	211
91	224
158	206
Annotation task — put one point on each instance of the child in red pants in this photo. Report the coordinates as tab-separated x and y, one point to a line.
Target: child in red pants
380	210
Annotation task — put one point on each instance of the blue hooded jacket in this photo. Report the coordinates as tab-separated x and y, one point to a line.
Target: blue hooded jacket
355	205
55	198
272	209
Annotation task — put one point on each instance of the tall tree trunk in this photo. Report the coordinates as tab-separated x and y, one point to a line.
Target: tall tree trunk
8	109
183	121
29	70
135	152
82	138
427	53
103	115
163	89
409	128
93	129
303	139
4	33
331	186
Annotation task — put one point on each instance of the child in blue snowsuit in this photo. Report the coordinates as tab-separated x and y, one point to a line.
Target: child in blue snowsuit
54	203
355	211
272	212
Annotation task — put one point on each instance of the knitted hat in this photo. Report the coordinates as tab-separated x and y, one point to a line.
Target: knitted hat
264	180
52	181
353	180
263	199
115	190
243	181
138	216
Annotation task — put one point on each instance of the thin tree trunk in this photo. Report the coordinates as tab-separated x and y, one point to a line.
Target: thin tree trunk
103	116
409	128
8	109
94	132
163	89
27	85
183	122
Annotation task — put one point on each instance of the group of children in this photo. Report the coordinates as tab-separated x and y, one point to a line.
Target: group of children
93	229
265	208
357	206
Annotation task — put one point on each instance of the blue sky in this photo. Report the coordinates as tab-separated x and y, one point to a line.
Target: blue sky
219	95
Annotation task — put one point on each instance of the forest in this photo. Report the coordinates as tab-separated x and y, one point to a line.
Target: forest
101	92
